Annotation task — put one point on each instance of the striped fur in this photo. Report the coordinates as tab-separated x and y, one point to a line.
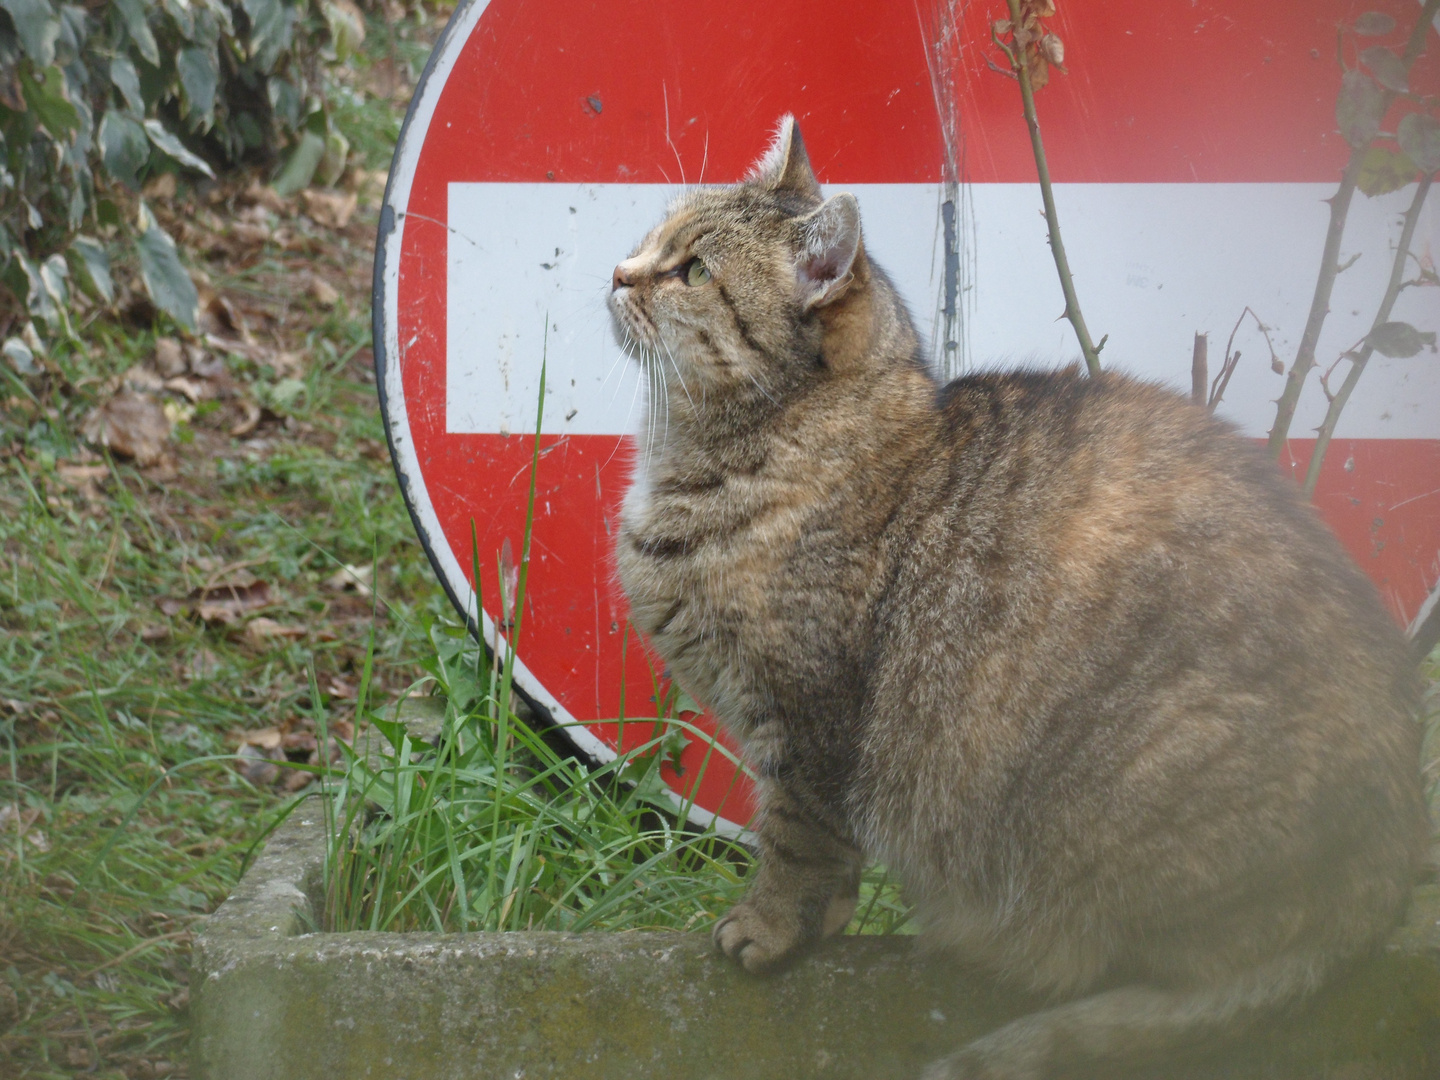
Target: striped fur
1067	654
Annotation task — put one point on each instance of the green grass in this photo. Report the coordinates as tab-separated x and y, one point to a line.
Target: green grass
122	816
112	712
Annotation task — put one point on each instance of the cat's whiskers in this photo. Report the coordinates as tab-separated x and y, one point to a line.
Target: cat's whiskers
762	389
666	94
678	373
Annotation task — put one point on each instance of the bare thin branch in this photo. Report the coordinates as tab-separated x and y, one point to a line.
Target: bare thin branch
1329	261
1361	356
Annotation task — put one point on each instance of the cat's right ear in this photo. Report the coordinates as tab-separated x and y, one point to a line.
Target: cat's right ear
786	166
824	266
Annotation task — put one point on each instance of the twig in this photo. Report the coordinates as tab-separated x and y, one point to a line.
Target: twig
1199	368
1021	69
1232	359
1329	261
1362	356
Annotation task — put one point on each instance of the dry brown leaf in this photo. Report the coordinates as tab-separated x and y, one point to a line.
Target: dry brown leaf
344	689
162	187
256	766
141	380
299	743
250	350
84	480
323	293
132	425
351	579
196	390
225	604
266	196
203	665
250	235
330	208
268	738
249	421
22	823
261	628
1053	49
219	316
288	365
169	357
295	779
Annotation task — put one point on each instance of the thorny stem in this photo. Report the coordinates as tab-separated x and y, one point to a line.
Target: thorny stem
1052	217
1362	357
1329	261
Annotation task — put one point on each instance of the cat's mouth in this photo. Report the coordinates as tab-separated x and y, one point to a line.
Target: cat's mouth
635	332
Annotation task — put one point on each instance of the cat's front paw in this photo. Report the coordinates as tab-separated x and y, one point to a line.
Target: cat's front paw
758	943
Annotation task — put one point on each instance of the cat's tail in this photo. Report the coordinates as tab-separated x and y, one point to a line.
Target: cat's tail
1129	1024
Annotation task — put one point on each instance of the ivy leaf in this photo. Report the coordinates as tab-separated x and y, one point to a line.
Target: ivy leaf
1373	24
52	105
1398	339
123	147
300	169
38	26
133	12
21	356
167	282
199	78
38	300
270	26
346	25
286	100
95	264
1419	136
1384	170
1360	108
127	81
53	274
1389	69
182	17
169	144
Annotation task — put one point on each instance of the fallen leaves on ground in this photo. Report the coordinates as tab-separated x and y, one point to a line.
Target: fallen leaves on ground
351	578
265	754
132	425
332	209
223	603
22	824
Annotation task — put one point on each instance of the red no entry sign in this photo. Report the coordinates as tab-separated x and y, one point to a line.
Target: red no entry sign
1193	145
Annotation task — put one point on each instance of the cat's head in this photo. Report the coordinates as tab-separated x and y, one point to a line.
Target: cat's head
733	286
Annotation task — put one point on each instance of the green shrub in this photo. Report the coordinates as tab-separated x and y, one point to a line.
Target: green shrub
124	91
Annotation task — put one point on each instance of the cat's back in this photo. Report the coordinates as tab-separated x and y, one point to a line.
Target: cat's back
1120	647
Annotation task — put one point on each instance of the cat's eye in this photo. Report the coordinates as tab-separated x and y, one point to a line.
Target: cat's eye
696	273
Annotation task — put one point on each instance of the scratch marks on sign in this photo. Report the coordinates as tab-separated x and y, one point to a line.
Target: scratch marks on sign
940	23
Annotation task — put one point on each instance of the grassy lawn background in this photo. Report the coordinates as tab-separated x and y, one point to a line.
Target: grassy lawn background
121	701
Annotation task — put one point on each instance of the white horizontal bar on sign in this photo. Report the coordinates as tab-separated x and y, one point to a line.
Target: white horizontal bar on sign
1154	263
519	253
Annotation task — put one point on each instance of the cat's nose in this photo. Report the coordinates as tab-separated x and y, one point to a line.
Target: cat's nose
625	274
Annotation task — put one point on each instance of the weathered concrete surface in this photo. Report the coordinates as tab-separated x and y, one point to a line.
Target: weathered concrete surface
273	1002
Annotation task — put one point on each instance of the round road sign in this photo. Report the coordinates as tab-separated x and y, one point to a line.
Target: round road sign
1193	147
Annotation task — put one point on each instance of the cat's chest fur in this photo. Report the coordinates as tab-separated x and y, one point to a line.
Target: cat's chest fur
718	562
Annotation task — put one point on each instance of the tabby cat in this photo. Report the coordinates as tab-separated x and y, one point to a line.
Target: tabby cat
1067	654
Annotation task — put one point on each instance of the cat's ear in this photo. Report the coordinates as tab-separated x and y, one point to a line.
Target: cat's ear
786	166
831	240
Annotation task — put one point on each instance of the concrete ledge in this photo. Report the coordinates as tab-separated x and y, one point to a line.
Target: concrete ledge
274	1002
